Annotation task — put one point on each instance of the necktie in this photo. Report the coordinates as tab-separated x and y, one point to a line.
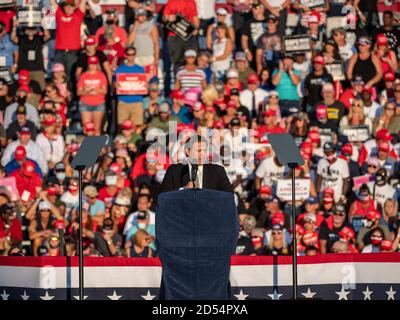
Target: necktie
253	105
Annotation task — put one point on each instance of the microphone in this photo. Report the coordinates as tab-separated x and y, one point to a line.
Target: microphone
195	168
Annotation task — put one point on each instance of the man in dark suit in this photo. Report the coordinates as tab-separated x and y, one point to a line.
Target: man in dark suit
209	176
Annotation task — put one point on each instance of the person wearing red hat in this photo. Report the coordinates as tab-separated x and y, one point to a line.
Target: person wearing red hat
82	65
313	83
253	97
28	181
388	94
336	109
19	158
373	220
376	236
178	107
68	32
350	155
51	142
92	90
320	120
112	22
386	56
270	124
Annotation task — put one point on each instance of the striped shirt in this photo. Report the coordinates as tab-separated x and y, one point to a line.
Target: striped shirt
190	79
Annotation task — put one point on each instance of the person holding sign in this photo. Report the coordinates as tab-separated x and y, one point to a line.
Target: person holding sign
130	106
92	89
188	10
30	51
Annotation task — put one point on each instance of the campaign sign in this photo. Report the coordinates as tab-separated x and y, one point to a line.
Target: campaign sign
297	44
132	84
336	70
284	189
356	133
6	74
29	17
7	3
313	3
182	27
10	184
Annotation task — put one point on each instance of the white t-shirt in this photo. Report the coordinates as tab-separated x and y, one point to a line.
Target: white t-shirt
333	175
270	173
276	3
382	192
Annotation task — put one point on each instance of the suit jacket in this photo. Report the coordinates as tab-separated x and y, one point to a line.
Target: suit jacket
214	177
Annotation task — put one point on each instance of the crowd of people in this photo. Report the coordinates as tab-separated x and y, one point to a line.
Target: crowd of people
234	74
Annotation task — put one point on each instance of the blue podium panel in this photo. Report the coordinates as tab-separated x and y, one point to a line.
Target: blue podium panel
196	232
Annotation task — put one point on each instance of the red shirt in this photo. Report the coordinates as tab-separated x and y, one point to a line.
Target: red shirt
120	35
276	129
94	81
347	98
6	17
186	8
115	53
105	196
14	232
27	183
68	31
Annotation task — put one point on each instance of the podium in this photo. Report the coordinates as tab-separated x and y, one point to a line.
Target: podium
196	235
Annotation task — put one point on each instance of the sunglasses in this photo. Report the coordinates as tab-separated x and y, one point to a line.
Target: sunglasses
276	232
340	214
308	221
372	166
357	105
130	54
390	109
54	238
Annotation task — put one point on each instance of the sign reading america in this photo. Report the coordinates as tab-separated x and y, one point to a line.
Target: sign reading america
372	276
132	83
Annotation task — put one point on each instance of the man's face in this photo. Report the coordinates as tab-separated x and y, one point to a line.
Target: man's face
69	9
198	152
130	56
318	66
24	138
387	20
327	95
338	217
143	204
272	25
21	117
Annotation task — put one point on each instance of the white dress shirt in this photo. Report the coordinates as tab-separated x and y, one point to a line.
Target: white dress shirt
246	98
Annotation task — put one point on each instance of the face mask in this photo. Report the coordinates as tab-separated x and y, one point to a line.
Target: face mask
376	241
380	180
73	189
111	180
21	100
141	225
363	197
60	175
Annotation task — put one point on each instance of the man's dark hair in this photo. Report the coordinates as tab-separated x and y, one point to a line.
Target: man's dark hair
129	48
143	195
194	139
388	12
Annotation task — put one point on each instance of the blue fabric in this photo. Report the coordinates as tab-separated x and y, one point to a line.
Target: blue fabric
14	165
150	229
286	89
129	69
196	234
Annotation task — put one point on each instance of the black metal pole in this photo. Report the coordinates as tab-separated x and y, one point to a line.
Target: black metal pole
294	251
81	286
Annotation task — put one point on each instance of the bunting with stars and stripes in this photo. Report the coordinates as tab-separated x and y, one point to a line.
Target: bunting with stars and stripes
372	276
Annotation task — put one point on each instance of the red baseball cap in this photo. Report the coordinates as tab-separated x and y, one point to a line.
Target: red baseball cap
177	94
278	218
93	60
25	88
51	191
20	153
382	40
384	146
384	134
49	121
115	167
347	233
389	76
266	190
373	215
253	79
314	136
347	149
269	113
127	124
319	60
307	147
89	41
28	168
89	127
231	104
23	76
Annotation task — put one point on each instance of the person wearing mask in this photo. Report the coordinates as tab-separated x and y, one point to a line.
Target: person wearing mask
333	172
376	236
331	227
107	241
143	223
111	26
